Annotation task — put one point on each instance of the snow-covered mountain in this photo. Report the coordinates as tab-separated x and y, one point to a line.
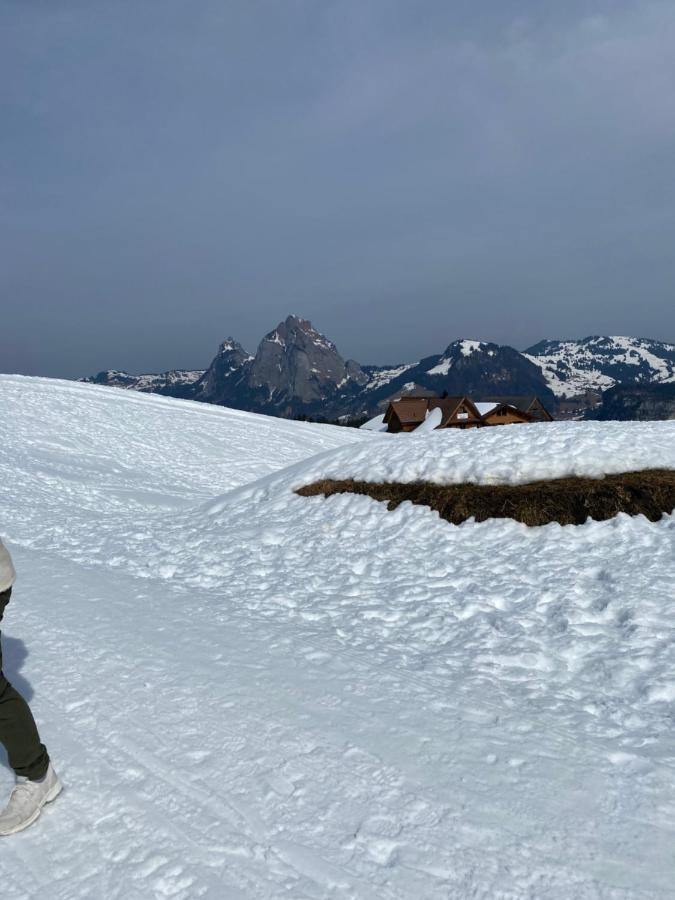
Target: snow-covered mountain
470	367
479	367
297	370
251	694
597	363
174	383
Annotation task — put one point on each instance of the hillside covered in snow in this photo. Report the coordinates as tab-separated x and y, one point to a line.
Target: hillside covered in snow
599	363
252	694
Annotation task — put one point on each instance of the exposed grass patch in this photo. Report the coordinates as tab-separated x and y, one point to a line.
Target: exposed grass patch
569	501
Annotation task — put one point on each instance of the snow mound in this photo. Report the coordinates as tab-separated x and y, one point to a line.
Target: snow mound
511	454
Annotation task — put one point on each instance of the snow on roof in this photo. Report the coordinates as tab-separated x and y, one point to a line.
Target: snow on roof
485	408
375	424
432	420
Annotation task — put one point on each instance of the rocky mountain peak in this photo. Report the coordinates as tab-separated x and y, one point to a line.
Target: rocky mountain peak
230	345
295	362
229	364
296	331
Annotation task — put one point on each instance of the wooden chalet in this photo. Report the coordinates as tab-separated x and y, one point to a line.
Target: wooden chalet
502	414
528	404
407	413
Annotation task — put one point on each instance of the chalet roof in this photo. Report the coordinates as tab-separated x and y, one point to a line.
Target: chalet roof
520	401
418	394
501	408
528	403
410	410
449	406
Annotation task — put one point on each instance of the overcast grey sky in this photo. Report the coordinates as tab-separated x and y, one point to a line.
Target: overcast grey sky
401	173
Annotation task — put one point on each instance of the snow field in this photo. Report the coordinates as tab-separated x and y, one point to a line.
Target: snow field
260	695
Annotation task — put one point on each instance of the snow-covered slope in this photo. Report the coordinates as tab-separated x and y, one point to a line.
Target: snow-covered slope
381	376
598	363
169	451
258	695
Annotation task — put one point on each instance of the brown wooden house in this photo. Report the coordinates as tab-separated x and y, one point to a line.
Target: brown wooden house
528	404
502	414
407	413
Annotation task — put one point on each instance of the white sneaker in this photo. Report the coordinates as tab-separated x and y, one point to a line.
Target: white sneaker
26	801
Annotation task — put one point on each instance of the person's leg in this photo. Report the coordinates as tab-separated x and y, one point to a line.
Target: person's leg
18	731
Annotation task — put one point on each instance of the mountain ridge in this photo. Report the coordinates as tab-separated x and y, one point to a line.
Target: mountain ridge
297	371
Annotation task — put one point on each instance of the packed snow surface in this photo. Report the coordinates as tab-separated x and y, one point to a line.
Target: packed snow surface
251	694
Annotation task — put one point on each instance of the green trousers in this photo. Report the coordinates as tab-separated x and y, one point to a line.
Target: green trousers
18	731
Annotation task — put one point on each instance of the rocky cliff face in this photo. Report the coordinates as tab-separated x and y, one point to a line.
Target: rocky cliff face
296	370
298	366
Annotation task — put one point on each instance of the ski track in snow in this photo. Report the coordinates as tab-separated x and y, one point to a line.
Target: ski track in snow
264	696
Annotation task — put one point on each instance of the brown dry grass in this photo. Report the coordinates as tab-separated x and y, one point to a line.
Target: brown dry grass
569	501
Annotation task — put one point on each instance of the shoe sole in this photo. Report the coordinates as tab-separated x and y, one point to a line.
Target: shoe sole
51	795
